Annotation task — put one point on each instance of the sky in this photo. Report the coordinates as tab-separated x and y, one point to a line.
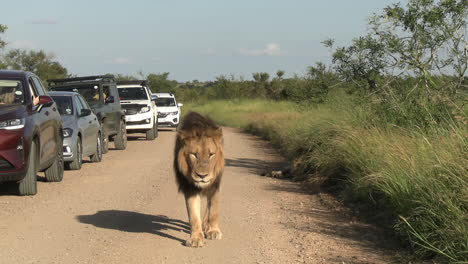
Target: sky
192	40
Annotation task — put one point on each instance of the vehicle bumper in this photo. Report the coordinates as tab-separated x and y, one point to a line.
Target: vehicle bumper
169	120
139	121
13	165
69	148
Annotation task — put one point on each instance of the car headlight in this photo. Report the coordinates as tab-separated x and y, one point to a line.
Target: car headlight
174	113
67	132
145	109
12	124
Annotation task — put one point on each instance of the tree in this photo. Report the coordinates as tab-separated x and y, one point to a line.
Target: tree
362	63
159	82
38	62
262	85
3	28
124	77
425	36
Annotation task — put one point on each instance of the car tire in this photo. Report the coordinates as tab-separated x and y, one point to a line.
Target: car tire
120	140
97	157
156	129
105	140
55	172
151	134
78	157
28	185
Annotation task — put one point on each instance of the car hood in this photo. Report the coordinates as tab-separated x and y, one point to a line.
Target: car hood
68	121
11	111
145	102
165	109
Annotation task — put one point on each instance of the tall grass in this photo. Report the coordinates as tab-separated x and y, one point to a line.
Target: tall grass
416	177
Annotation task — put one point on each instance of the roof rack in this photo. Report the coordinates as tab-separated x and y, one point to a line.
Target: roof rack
139	82
107	77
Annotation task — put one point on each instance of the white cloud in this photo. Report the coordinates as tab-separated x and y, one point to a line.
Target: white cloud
43	21
271	49
121	60
21	44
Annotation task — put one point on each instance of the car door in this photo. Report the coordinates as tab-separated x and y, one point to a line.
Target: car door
47	124
90	127
83	125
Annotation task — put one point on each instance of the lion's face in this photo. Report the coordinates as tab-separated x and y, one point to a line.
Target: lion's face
204	159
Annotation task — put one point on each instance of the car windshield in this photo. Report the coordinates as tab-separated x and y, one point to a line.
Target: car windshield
133	93
11	92
89	92
64	104
165	101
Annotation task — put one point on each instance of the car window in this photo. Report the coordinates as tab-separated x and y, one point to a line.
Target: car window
83	102
134	93
165	101
39	87
64	104
34	92
11	91
105	91
90	91
78	104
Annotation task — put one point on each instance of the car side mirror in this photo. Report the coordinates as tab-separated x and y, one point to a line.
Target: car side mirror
85	112
179	105
110	100
45	100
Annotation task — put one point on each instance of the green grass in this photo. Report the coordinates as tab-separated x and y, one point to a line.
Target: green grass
417	178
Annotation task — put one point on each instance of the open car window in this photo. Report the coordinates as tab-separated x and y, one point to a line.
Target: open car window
89	92
11	92
64	104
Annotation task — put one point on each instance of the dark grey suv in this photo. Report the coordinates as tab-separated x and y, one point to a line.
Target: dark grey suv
101	94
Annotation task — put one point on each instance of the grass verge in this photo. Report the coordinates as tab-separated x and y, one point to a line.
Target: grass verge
418	178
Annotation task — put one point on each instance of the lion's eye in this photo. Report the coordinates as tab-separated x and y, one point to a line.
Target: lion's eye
194	155
212	155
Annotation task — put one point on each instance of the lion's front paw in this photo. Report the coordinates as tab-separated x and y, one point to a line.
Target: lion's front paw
214	234
196	240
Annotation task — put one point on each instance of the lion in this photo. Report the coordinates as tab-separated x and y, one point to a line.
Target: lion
198	166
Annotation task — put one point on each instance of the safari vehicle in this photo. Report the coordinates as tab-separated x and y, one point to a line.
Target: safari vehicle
168	109
100	92
81	129
140	110
30	132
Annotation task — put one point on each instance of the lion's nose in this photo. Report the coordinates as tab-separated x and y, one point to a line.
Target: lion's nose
202	175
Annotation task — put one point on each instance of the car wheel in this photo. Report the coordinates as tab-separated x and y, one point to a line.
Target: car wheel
120	140
156	129
28	185
151	134
55	172
105	141
78	157
97	157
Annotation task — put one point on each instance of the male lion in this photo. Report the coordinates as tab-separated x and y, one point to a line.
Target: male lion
198	166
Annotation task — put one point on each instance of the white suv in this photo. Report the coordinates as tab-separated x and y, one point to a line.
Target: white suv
168	109
139	108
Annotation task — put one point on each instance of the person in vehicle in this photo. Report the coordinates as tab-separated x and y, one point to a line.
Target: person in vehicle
34	97
7	95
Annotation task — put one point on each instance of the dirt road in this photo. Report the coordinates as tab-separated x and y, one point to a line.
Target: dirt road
127	210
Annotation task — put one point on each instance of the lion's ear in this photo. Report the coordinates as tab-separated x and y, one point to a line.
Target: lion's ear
218	133
181	135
